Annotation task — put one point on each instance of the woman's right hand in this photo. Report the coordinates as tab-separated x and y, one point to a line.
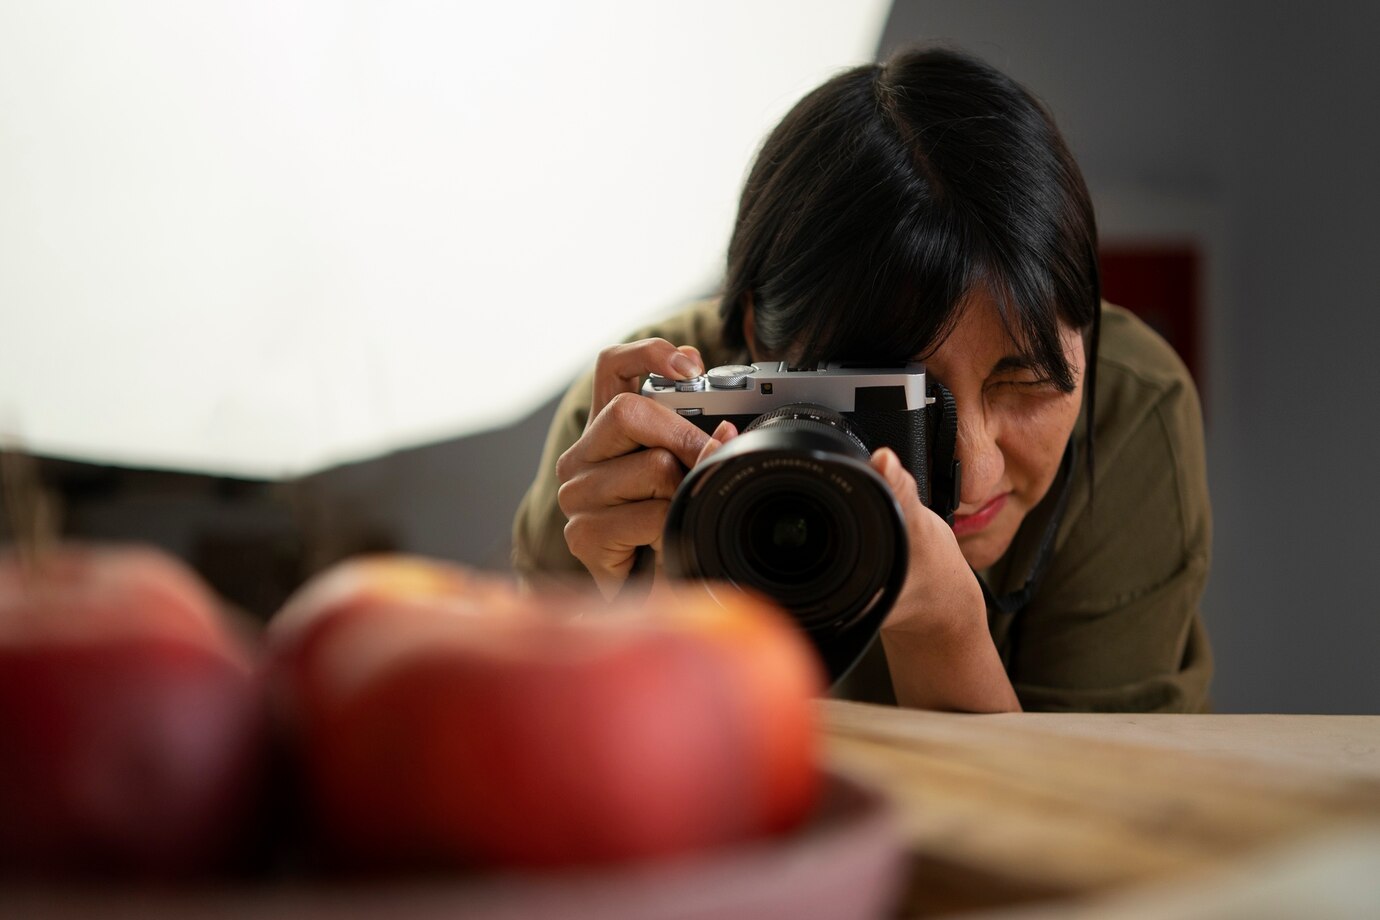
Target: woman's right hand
618	478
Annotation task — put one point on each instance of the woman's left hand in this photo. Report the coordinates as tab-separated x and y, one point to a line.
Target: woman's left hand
937	644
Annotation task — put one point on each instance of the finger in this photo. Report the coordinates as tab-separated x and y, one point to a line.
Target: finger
606	540
620	368
644	474
693	353
710	448
718	439
632	422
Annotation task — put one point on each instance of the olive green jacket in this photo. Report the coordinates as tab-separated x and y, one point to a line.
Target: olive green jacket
1115	624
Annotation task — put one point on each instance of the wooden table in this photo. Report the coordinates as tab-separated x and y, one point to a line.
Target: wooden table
1022	809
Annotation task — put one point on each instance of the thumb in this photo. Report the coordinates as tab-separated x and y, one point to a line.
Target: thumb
898	479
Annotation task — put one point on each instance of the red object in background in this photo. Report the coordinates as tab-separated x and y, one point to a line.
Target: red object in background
1160	284
130	718
441	718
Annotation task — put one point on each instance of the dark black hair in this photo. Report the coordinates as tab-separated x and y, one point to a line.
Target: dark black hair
889	194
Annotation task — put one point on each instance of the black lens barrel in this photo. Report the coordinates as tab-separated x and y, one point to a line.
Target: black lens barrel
792	509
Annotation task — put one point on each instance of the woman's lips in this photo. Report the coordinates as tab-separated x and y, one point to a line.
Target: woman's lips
965	524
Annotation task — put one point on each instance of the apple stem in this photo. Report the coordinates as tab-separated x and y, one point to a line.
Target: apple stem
30	512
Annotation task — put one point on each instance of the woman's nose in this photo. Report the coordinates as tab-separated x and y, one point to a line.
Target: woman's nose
981	458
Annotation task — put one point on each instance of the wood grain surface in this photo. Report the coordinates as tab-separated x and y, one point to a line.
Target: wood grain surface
1018	808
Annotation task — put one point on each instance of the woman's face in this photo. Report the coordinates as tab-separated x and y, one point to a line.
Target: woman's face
1012	425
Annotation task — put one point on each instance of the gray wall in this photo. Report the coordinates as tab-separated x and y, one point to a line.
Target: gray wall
1263	116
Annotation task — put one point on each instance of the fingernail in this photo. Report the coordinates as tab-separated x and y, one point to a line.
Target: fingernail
721	432
685	366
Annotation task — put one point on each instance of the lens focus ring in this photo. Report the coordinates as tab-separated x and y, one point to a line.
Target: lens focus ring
803	416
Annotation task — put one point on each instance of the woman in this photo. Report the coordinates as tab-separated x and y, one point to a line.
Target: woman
929	209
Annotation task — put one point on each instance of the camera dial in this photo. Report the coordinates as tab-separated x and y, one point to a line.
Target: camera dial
686	385
730	376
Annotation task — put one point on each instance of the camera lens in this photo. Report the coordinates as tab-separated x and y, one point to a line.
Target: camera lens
792	509
788	536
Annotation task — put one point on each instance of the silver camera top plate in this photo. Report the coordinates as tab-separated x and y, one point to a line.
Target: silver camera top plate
754	389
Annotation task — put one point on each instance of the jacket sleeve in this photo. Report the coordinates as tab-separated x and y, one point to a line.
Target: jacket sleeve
1117	625
539	547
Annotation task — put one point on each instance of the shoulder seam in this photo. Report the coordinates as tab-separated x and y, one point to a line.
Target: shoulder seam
1175	465
1159	382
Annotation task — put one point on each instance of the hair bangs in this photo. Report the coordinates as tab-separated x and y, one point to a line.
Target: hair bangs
1030	316
898	299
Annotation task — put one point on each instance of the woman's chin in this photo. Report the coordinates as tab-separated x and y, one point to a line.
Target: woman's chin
981	550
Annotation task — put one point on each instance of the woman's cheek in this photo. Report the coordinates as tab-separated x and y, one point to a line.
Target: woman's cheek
1033	446
1043	418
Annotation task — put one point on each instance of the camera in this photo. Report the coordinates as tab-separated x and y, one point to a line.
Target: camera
791	508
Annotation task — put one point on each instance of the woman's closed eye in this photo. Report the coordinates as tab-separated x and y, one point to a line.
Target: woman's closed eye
1022	374
1028	383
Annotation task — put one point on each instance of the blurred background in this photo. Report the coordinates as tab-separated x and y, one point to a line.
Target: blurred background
282	282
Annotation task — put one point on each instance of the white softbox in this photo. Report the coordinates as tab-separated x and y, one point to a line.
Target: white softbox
259	238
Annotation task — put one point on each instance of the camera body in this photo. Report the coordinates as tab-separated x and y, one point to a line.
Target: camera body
792	508
893	405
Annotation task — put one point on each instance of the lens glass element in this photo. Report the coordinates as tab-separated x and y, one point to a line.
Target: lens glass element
789	536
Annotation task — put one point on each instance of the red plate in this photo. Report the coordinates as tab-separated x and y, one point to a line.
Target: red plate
847	862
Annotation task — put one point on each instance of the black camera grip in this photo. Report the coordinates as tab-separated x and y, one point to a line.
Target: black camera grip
904	432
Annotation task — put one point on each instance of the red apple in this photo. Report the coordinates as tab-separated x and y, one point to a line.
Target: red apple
445	719
131	718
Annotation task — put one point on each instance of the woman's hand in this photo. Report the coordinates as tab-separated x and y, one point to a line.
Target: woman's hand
937	644
618	478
